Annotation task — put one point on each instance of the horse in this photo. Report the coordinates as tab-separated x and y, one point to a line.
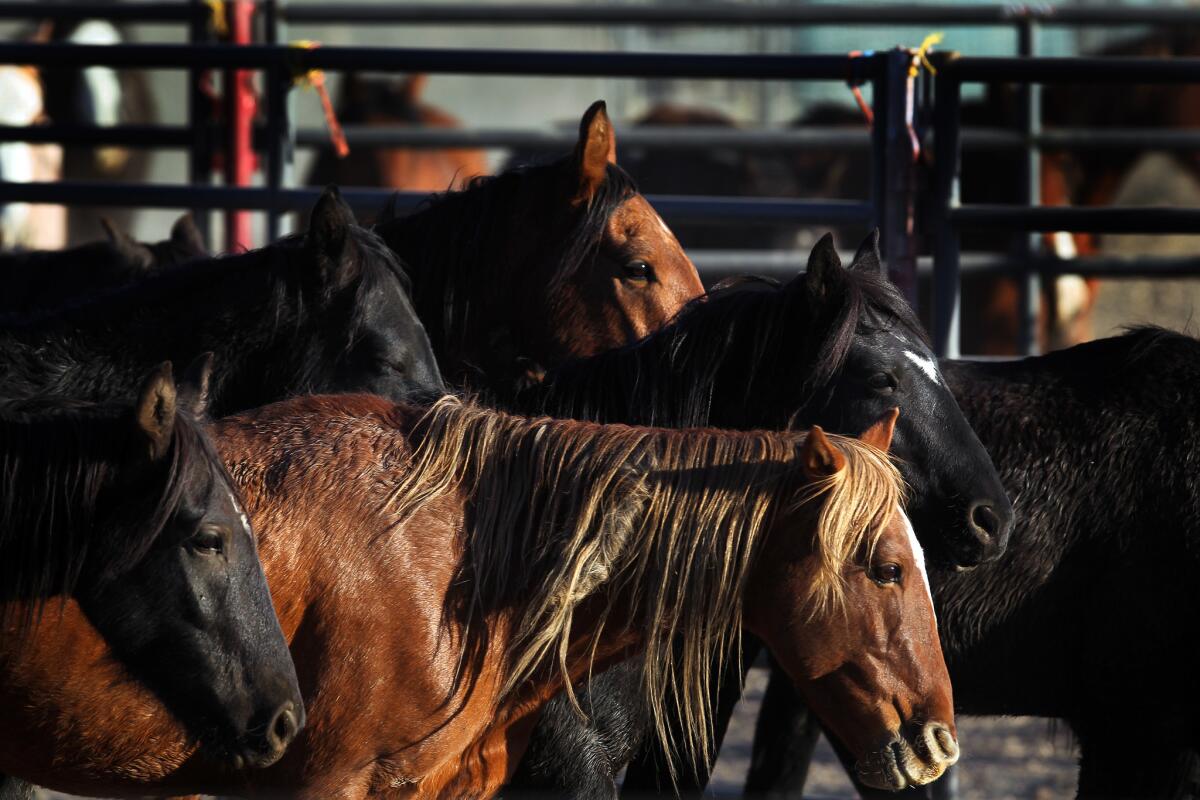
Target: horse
479	561
387	102
526	269
96	96
835	347
40	279
1086	614
122	518
25	225
324	311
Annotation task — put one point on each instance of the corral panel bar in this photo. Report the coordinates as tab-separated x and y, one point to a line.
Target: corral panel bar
198	115
1044	69
1111	219
471	62
947	240
128	13
1029	284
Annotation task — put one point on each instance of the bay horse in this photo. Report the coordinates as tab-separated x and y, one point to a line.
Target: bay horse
526	269
41	279
1089	614
388	102
122	519
836	347
476	562
324	311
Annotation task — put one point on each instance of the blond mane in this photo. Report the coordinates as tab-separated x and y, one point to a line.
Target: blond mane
668	521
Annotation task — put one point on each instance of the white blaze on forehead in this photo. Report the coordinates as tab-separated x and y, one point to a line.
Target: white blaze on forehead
926	365
918	556
241	514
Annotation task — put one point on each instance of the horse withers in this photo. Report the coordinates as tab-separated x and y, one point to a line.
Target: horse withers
121	520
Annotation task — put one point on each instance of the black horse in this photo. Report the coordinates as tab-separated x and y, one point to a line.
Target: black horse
40	279
324	312
1091	614
836	347
129	510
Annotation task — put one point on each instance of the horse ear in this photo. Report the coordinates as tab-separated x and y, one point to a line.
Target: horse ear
867	259
328	236
414	87
818	457
879	435
195	386
155	410
186	238
595	150
823	266
132	252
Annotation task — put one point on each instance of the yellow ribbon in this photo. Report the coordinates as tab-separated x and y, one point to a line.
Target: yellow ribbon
220	22
922	58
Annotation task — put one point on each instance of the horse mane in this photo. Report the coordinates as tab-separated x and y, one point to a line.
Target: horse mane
453	240
727	347
671	520
59	467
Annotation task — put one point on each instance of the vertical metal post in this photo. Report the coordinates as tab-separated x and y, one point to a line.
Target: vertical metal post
947	93
1029	282
199	118
899	199
280	132
240	107
879	147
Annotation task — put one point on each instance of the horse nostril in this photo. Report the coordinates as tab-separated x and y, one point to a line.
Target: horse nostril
985	522
284	727
947	745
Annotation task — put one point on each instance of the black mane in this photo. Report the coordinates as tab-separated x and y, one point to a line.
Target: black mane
231	305
63	471
456	236
736	336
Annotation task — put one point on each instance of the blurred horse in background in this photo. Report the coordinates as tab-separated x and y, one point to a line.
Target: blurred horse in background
384	103
101	97
24	225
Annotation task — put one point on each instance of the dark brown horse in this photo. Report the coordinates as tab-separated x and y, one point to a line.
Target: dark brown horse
120	531
476	563
539	264
387	102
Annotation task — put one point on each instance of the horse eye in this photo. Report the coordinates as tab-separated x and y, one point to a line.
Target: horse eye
882	382
886	573
638	271
207	541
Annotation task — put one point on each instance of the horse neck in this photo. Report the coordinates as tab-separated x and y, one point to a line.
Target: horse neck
681	377
100	349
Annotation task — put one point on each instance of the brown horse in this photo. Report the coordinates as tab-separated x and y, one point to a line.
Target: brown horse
477	563
540	264
387	102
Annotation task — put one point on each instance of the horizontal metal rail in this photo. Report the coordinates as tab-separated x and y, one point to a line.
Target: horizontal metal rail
715	210
146	136
115	12
473	62
1047	219
727	14
1069	69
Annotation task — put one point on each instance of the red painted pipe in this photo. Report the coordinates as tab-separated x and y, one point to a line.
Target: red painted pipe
241	107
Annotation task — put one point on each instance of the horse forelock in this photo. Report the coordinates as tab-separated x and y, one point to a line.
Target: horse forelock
670	520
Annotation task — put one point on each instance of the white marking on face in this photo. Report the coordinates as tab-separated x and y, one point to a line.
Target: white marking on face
241	514
918	557
926	365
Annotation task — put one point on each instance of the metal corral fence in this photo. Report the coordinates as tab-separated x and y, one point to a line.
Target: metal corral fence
898	96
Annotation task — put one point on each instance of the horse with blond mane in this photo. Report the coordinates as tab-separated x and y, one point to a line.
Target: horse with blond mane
478	563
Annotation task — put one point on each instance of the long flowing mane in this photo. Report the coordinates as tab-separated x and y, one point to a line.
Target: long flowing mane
456	244
60	470
670	521
750	345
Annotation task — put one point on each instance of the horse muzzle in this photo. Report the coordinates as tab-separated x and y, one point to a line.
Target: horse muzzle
901	763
